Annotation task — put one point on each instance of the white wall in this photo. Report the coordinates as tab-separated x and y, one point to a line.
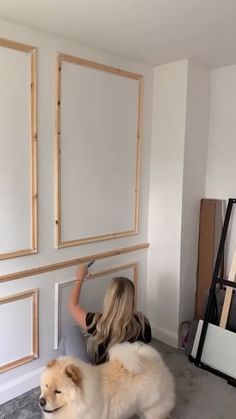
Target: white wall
195	161
165	202
221	166
192	156
177	183
22	378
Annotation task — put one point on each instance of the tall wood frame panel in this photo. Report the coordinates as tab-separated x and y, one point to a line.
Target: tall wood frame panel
32	52
61	57
33	294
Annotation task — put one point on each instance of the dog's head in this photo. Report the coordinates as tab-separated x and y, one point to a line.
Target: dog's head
60	384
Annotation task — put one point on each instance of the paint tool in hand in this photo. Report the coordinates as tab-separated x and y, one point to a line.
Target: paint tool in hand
90	263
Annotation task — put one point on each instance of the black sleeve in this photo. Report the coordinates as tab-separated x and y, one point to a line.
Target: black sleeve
89	323
147	335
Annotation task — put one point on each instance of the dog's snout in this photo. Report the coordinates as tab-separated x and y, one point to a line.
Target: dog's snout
42	401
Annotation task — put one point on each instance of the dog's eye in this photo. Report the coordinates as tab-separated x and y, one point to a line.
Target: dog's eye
57	391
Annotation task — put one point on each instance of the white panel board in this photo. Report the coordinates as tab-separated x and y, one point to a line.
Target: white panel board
219	349
15	206
99	122
15	330
91	299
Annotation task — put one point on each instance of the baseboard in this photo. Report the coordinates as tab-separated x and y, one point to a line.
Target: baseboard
19	386
165	336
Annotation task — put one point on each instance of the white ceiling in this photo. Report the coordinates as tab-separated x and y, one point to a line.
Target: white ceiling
152	31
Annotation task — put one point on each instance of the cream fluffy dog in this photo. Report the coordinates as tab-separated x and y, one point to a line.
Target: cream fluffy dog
134	381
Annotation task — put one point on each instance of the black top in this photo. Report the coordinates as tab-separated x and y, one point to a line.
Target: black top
145	337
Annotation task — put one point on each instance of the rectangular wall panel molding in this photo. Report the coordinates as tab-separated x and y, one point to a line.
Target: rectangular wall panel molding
98	149
60	310
18	149
18	329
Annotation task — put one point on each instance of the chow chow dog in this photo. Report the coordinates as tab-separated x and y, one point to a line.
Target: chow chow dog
135	380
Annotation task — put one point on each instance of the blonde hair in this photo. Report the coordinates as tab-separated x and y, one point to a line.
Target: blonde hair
119	321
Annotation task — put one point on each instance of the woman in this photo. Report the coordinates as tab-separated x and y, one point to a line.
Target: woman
119	322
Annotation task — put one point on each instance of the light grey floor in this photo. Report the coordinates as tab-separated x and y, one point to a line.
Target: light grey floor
200	395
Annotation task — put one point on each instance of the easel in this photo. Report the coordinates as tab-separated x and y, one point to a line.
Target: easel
206	353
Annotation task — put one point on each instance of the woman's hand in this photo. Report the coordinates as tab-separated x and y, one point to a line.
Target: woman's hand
77	312
81	272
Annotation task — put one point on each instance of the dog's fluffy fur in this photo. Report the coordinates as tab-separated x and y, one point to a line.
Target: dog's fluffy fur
134	381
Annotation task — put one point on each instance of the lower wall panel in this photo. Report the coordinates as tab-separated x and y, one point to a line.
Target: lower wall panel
52	307
19	329
92	295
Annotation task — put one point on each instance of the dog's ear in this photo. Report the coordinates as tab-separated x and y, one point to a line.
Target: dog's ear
73	372
51	363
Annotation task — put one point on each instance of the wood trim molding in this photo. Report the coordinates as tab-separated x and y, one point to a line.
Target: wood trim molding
95	275
32	51
98	66
228	294
33	294
16	45
71	262
60	58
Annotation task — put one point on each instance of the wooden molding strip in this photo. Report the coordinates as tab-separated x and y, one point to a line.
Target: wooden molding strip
71	262
18	296
33	294
18	253
17	363
7	43
32	51
33	151
71	243
57	154
59	242
113	269
87	63
138	154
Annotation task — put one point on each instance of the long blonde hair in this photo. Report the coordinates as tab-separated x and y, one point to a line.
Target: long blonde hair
119	321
